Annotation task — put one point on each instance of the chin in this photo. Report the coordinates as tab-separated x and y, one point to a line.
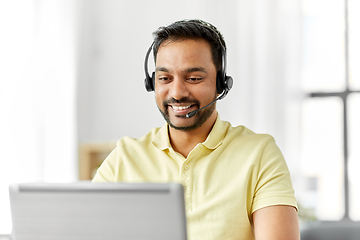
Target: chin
192	123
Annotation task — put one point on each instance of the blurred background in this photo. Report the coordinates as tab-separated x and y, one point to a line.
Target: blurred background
72	83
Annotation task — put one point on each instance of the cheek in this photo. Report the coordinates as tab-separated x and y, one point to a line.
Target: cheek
159	89
205	92
160	96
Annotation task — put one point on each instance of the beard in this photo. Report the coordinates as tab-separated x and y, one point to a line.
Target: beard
200	117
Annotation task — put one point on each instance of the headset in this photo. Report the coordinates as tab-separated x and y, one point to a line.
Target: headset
223	82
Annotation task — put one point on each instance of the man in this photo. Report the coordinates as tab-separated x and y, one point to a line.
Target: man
237	184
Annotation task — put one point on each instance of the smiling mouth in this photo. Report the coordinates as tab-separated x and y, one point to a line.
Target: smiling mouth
180	108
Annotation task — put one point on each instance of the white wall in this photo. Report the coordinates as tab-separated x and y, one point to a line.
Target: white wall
263	39
115	36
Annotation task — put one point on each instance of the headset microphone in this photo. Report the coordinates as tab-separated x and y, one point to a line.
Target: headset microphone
192	113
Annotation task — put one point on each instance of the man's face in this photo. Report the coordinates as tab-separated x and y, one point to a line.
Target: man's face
185	80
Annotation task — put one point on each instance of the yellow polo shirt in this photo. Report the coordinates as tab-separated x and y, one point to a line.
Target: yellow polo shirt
226	178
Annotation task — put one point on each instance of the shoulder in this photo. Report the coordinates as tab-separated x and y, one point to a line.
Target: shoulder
250	146
124	159
244	135
144	140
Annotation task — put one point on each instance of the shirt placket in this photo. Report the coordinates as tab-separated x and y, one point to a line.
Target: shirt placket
187	176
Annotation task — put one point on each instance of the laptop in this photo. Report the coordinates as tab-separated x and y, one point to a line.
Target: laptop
94	211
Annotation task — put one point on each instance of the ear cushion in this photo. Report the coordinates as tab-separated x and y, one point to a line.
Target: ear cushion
150	82
153	81
223	83
220	82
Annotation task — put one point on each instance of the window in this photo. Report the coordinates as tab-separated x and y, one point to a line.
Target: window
331	113
37	95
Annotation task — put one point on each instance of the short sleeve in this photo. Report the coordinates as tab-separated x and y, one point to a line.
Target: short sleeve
274	186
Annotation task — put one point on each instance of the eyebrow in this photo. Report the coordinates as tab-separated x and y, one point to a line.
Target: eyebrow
161	69
188	70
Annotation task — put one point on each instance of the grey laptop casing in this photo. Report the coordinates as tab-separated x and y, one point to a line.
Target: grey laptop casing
93	211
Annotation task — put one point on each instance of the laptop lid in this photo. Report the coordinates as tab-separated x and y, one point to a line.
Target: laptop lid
89	211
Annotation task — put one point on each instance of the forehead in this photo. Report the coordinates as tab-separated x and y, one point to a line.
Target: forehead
184	52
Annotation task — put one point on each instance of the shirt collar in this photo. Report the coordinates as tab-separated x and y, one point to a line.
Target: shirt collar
214	139
217	134
161	139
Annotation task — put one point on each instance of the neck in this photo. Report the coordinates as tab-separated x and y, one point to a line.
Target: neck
185	141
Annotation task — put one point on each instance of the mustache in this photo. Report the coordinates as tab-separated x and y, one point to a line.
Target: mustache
182	100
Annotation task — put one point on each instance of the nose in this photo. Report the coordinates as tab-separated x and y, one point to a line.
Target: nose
178	89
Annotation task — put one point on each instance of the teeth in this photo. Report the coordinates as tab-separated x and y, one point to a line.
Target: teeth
179	108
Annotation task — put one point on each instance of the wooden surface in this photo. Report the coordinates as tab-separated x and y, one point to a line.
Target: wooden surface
91	155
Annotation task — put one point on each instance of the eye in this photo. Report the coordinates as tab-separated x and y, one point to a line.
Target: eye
164	78
194	79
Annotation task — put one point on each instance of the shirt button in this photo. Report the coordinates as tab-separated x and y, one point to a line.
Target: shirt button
187	167
185	188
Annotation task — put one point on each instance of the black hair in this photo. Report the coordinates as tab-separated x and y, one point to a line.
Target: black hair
192	29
